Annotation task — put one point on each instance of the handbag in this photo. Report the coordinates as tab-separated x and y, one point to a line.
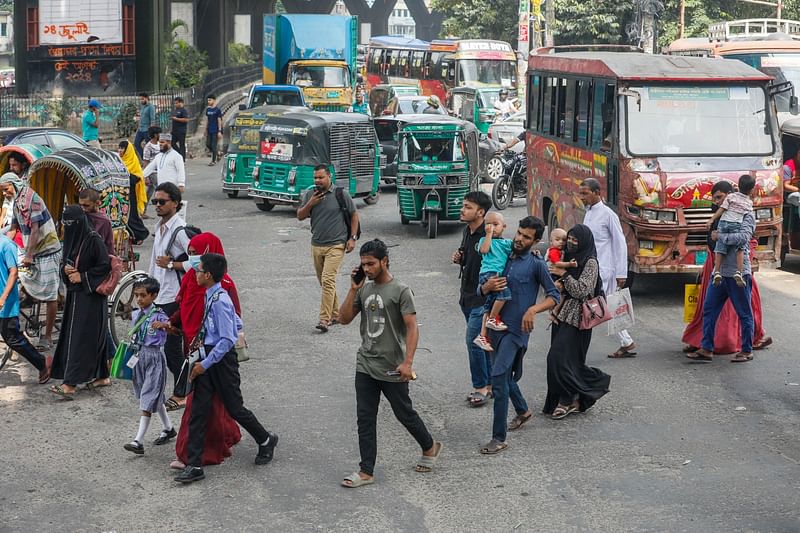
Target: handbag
109	283
119	365
594	312
241	348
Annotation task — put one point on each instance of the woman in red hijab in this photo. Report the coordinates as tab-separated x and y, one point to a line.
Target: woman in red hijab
222	431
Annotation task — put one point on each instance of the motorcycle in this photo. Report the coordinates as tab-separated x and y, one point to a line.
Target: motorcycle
513	180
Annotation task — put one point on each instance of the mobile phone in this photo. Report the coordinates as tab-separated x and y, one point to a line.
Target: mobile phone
69	262
359	276
395	373
318	188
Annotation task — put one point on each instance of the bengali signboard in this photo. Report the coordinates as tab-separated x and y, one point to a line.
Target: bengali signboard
64	22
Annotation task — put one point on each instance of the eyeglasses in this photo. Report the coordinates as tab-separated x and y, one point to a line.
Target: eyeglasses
200	270
68	222
159	201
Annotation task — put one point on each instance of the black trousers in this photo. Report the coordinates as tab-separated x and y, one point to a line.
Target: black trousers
368	397
222	378
179	143
173	349
211	144
13	337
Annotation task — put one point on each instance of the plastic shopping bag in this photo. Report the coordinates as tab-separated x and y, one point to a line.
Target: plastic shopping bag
620	306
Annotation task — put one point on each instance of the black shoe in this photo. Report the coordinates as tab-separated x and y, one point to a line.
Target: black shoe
266	451
135	447
190	474
165	437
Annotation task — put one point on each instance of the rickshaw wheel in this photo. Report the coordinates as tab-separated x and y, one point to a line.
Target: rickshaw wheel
233	194
404	220
266	205
372	199
122	306
433	224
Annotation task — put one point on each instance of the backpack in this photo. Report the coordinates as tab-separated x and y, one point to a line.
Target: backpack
339	193
191	231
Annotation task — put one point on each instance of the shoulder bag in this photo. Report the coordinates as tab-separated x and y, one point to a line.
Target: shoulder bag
197	350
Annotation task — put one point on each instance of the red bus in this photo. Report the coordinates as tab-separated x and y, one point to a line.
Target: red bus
440	65
658	132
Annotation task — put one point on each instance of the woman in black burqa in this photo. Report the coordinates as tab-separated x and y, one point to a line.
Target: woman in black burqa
571	385
80	355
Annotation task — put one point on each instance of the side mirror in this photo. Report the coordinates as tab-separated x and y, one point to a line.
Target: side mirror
242	107
794	106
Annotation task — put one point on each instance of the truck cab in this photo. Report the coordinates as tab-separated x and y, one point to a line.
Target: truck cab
326	84
286	95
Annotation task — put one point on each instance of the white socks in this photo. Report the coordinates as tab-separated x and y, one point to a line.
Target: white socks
164	417
144	422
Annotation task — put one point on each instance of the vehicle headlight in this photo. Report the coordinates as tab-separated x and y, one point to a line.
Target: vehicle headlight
410	181
649	214
646	245
763	214
453	180
666	216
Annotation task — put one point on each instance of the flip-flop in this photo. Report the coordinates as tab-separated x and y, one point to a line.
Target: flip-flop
690	349
621	354
172	405
763	343
426	463
494	447
562	412
323	327
356	481
519	421
478	400
742	358
699	357
92	386
58	391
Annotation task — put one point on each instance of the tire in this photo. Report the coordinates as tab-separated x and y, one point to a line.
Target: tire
433	224
5	357
233	194
502	193
494	168
403	220
372	199
121	306
265	205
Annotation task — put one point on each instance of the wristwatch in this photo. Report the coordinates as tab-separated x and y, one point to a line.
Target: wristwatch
354	237
171	265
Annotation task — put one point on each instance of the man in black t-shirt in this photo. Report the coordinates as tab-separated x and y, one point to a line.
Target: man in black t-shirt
476	205
180	120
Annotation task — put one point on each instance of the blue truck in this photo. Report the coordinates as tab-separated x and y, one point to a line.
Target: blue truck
315	52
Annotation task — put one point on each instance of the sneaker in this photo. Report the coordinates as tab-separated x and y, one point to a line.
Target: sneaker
190	474
483	343
739	279
266	451
496	324
165	437
135	447
717	279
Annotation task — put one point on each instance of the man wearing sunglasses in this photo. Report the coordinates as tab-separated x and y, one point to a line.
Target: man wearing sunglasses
171	241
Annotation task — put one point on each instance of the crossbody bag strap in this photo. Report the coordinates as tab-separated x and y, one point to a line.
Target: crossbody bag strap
202	333
139	323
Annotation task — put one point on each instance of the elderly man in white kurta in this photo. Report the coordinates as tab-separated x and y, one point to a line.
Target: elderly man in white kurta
612	250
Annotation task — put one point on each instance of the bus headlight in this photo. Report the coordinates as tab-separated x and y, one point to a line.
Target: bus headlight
453	180
763	214
652	215
666	216
649	214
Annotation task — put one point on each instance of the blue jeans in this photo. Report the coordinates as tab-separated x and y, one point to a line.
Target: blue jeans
141	137
503	388
729	227
479	364
716	296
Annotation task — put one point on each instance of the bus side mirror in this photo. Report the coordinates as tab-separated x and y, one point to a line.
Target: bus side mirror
794	106
242	107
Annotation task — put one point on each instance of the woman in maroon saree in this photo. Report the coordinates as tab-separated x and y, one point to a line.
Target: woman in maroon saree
222	431
727	337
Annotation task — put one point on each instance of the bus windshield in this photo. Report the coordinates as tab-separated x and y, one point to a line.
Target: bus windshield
319	76
420	148
488	71
715	120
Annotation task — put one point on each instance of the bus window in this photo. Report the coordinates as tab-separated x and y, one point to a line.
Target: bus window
561	106
608	110
569	110
603	117
582	112
534	98
417	65
403	66
392	69
548	106
434	66
374	66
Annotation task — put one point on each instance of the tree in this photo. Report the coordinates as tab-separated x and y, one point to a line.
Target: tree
581	22
484	19
185	64
240	54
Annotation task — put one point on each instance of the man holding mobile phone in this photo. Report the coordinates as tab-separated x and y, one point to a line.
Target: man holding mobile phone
389	336
334	231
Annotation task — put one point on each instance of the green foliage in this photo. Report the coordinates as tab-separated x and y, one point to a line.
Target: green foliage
61	110
581	22
240	54
185	64
125	123
473	19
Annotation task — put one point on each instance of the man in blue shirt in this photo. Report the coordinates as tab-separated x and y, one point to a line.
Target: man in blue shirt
524	274
91	123
213	127
9	311
218	371
147	119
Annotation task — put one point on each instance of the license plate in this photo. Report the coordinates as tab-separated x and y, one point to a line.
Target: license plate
700	258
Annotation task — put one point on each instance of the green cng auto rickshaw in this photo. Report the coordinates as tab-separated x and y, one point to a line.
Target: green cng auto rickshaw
476	105
240	145
292	144
437	165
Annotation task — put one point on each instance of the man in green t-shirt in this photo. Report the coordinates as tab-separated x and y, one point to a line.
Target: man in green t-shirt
389	336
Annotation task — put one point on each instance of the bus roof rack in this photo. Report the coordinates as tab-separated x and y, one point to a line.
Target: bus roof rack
778	29
561	49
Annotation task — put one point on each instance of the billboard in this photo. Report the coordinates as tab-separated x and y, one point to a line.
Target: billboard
64	22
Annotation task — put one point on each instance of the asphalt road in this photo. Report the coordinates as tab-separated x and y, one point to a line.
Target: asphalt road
669	449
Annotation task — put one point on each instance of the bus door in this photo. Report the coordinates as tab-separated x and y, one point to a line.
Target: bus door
605	141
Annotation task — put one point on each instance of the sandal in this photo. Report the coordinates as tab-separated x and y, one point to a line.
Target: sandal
177	465
624	352
690	349
519	421
94	385
478	400
58	391
763	343
426	462
172	405
494	447
356	481
700	355
323	326
562	411
742	357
